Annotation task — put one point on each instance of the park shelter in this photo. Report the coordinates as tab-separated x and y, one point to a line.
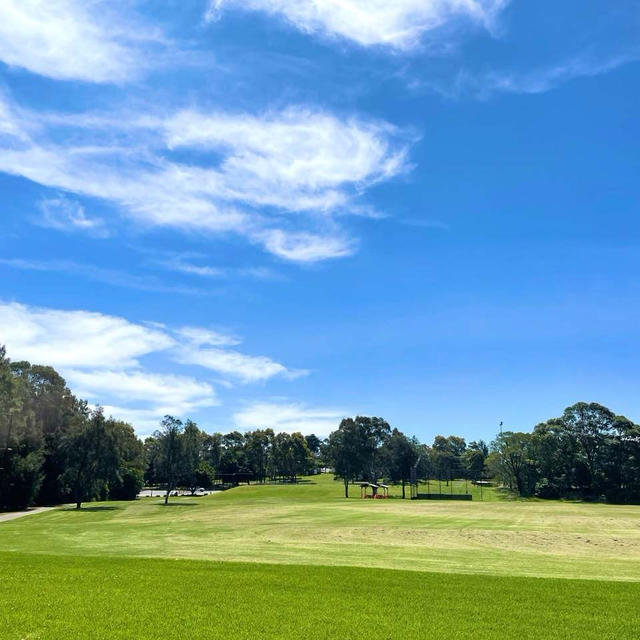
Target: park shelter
378	490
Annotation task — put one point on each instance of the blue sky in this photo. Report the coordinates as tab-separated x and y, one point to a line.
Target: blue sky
281	212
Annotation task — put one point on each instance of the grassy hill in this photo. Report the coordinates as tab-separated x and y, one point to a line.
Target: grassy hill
293	561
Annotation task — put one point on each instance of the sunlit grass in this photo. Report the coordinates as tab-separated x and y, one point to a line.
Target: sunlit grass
312	523
63	598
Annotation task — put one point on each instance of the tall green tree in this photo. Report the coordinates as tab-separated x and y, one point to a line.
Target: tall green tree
401	455
473	459
192	450
170	456
91	457
590	425
347	452
447	456
129	479
20	461
376	432
516	460
233	459
258	450
356	449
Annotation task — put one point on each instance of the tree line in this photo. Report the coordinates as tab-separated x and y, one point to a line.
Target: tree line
588	453
182	455
54	448
368	449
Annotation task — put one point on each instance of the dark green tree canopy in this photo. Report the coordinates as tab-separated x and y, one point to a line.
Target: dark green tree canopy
53	449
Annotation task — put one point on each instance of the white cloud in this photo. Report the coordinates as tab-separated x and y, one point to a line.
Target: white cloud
9	123
304	247
296	161
398	24
113	277
76	338
232	363
69	39
182	266
166	393
186	264
68	215
483	85
101	358
145	421
207	348
289	417
547	78
198	336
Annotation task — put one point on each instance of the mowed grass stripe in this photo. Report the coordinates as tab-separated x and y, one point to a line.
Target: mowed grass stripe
312	523
66	598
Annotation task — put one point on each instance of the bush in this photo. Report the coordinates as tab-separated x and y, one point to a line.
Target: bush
131	482
20	481
205	475
547	489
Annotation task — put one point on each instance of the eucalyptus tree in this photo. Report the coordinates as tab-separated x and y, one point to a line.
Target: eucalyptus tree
259	451
401	455
91	457
192	450
170	459
516	460
355	449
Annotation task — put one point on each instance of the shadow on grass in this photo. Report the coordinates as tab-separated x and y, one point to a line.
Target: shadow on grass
178	504
89	509
277	483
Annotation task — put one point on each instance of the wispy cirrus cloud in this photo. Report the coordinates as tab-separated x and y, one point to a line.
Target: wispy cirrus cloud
68	215
114	277
198	337
232	363
194	264
399	24
546	78
73	39
182	265
279	179
209	349
105	359
484	84
303	246
282	415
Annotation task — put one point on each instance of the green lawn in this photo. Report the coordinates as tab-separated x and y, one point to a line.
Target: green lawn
312	523
301	561
61	597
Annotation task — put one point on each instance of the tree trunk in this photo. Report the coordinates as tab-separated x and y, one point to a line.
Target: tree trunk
519	485
76	493
403	488
166	496
346	488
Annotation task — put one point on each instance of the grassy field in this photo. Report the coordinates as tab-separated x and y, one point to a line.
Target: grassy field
301	561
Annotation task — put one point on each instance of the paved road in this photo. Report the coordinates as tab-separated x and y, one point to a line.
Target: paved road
4	517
